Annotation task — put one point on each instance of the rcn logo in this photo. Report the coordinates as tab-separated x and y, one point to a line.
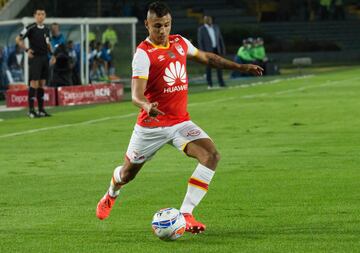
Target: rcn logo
174	72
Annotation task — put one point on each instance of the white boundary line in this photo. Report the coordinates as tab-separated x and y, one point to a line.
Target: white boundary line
211	101
66	125
278	80
329	82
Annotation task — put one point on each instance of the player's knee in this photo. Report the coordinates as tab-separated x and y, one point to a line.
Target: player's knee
215	156
211	158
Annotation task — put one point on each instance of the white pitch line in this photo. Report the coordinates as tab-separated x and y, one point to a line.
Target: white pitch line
255	96
211	101
278	80
327	83
66	125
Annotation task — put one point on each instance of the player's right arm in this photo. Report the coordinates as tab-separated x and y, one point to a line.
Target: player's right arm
20	40
138	86
140	67
216	61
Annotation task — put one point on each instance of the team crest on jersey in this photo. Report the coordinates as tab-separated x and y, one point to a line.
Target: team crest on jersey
171	54
173	72
180	49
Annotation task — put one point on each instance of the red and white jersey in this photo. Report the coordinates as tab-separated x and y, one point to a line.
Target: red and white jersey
167	80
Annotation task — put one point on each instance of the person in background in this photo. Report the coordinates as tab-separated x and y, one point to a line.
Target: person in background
74	62
211	40
97	69
40	47
259	50
245	52
325	9
71	51
16	64
244	56
57	38
109	35
258	53
91	36
106	56
62	75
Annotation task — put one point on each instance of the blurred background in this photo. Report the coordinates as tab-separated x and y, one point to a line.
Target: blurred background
293	34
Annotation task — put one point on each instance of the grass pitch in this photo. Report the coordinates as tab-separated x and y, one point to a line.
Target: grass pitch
288	180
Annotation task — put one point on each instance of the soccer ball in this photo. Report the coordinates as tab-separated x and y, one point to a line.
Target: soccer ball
168	224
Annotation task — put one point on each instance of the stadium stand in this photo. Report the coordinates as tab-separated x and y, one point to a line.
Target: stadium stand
345	33
9	9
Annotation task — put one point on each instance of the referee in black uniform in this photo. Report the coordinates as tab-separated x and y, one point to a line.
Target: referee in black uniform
39	40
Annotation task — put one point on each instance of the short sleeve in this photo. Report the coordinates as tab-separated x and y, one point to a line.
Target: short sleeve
24	33
192	50
140	65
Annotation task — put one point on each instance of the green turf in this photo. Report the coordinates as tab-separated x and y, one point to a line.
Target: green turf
288	180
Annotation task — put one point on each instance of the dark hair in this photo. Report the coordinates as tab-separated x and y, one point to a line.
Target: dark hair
159	8
39	8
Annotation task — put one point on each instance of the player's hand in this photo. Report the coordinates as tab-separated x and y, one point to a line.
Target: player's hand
152	110
52	60
30	53
253	69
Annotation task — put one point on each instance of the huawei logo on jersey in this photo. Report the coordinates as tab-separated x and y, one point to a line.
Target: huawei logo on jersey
174	72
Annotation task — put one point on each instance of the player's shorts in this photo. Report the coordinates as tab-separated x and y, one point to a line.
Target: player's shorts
39	68
145	142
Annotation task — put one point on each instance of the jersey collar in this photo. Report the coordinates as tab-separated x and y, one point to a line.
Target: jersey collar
157	46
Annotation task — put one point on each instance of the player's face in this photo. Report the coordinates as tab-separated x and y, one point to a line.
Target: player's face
39	16
159	28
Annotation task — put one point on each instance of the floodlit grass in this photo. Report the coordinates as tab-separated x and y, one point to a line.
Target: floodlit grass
288	180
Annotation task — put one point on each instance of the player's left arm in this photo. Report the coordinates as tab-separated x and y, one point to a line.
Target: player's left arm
217	61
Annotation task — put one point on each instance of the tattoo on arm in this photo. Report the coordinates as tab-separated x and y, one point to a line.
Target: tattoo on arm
217	61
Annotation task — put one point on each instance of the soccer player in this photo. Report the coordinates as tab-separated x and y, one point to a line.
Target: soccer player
39	39
160	89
